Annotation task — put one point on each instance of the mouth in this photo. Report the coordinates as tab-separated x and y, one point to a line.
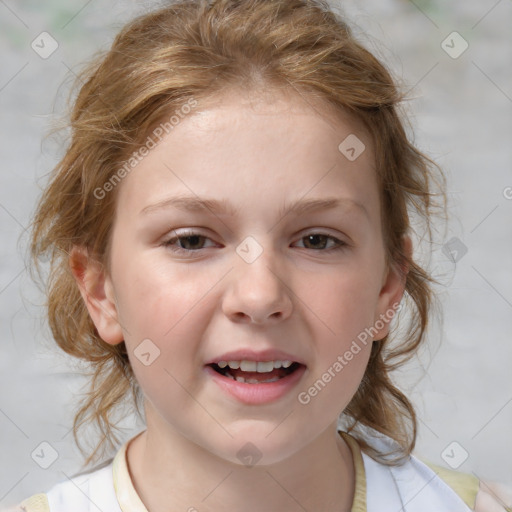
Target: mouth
252	372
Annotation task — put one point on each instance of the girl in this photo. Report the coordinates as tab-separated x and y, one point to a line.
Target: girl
230	242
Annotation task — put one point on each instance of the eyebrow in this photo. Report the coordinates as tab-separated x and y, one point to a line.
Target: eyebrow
193	204
215	206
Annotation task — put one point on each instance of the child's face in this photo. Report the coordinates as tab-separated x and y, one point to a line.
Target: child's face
308	296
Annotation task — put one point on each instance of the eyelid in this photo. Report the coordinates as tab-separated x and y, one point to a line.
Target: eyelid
338	235
184	232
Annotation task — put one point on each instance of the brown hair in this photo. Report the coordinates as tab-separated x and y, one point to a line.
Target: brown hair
191	50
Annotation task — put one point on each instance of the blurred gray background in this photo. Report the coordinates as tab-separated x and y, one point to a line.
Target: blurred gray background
461	112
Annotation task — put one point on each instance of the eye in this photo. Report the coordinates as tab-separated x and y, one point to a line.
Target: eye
188	242
319	242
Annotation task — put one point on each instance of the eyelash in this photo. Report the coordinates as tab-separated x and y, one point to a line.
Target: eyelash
339	244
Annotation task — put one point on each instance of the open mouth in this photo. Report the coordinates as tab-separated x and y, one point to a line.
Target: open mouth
265	373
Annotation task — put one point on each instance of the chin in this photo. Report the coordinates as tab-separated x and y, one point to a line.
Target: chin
253	448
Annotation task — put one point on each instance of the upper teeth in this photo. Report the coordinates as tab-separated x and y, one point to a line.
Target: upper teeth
255	366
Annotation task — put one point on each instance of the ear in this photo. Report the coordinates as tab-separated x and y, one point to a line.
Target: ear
391	293
98	294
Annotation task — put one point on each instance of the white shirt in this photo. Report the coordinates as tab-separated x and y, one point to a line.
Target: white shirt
409	487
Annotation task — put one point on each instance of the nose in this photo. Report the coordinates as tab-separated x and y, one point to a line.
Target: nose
257	293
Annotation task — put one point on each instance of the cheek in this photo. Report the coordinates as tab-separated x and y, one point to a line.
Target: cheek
171	306
344	301
157	297
164	312
341	309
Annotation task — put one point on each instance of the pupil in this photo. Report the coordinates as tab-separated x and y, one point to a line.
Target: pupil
317	241
193	241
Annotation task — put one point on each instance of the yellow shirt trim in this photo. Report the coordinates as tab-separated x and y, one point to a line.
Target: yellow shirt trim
127	496
359	503
36	503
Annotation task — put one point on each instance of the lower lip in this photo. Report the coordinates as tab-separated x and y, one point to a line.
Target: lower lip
255	394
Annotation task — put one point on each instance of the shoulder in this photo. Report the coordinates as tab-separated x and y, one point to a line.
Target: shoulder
36	503
77	494
478	495
423	486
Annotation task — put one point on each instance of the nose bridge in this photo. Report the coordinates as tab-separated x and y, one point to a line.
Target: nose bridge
257	290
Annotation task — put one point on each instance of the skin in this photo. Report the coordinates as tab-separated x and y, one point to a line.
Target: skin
258	154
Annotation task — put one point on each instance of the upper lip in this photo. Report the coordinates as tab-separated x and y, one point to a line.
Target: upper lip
247	354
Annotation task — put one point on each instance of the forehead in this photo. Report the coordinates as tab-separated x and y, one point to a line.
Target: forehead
265	147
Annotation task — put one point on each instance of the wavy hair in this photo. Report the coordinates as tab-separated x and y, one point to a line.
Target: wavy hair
193	50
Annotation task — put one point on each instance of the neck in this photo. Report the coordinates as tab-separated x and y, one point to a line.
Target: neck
170	473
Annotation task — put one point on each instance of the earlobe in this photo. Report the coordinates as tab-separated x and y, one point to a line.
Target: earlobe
97	292
392	290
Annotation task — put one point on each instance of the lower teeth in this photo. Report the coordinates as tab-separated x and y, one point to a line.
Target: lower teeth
251	381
